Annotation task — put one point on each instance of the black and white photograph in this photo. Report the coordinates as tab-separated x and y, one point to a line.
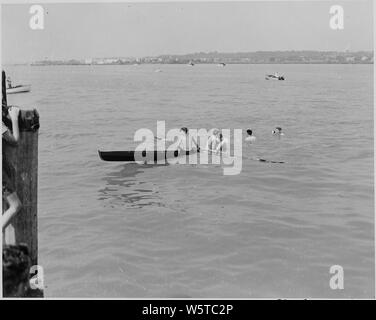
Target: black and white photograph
188	150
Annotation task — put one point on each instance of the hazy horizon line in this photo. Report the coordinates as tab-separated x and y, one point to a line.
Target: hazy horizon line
185	54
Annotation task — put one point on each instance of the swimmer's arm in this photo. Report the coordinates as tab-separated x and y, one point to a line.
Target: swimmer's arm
161	139
210	143
179	144
196	144
219	147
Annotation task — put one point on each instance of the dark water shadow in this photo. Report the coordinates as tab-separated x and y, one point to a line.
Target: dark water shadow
124	188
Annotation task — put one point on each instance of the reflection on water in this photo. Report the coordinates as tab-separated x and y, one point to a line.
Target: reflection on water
122	188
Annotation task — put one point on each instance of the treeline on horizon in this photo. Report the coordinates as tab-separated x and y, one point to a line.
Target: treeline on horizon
266	57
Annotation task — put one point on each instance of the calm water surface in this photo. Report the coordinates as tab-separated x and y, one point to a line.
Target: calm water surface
128	230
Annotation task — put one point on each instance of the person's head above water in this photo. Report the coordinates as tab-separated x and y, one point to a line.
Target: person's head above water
184	129
249	131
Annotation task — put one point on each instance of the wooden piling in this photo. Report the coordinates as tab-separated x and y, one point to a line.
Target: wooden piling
24	162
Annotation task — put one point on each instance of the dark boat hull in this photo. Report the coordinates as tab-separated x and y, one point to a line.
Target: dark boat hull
133	156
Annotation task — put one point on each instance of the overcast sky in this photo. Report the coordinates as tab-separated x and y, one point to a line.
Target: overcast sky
143	29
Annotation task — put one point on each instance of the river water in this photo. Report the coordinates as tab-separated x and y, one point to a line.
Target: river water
274	230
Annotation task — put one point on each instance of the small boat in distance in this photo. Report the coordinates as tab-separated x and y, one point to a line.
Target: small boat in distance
275	76
222	64
18	89
191	63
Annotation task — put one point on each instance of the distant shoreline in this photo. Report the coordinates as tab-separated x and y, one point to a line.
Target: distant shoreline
258	57
232	63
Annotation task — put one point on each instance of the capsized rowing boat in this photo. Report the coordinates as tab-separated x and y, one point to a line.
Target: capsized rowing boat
147	156
19	89
274	77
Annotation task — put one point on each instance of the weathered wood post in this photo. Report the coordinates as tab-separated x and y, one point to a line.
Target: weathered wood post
24	160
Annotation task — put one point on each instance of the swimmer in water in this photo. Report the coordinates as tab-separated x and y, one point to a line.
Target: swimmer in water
187	142
278	131
250	137
223	144
213	140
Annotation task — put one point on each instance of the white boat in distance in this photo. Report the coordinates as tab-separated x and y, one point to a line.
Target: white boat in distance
19	89
275	76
